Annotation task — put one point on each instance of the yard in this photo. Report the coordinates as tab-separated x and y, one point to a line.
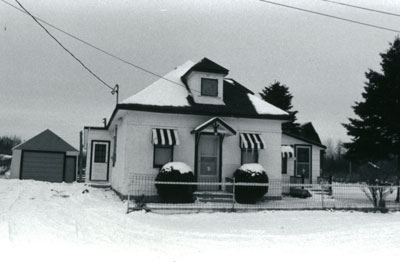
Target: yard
75	221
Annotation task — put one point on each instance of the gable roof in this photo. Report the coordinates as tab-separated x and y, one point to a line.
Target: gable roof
214	122
46	141
307	134
172	96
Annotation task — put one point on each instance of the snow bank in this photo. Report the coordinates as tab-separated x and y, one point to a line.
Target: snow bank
163	92
181	167
263	107
252	168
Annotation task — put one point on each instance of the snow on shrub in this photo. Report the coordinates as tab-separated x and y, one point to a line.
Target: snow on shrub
175	172
250	173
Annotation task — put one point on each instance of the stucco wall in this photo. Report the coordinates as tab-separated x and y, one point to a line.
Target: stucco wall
15	163
118	179
139	147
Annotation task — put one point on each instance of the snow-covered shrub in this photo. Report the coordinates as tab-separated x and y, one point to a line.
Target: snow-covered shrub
250	173
175	172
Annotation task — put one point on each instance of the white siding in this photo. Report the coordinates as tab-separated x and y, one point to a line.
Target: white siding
139	148
315	157
15	163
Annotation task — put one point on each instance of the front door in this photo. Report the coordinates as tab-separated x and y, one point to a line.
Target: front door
303	163
208	161
100	158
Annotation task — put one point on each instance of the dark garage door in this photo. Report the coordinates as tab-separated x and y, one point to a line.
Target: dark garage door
43	166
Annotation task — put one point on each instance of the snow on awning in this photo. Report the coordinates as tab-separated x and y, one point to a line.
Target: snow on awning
251	141
165	137
287	151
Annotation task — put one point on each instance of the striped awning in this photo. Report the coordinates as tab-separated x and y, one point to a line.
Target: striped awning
165	137
251	141
287	151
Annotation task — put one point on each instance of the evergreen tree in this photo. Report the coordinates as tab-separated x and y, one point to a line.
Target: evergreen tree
376	132
278	95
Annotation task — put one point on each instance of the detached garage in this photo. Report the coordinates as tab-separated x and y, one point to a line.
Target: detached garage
45	157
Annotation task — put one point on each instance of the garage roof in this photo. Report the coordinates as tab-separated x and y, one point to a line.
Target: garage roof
46	141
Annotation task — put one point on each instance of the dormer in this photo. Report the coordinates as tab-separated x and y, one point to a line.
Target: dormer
205	82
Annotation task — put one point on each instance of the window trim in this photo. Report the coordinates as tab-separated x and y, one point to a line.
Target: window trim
114	157
154	154
201	86
245	150
310	159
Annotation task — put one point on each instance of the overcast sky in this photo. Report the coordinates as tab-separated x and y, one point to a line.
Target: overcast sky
322	60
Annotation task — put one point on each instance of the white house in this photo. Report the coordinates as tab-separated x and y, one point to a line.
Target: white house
195	115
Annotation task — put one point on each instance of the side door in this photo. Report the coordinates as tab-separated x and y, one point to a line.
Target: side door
100	160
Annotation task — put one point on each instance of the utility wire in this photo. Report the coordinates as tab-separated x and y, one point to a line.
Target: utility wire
331	16
69	52
361	7
95	47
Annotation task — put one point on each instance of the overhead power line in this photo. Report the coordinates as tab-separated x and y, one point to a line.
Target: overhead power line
361	7
95	47
331	16
60	44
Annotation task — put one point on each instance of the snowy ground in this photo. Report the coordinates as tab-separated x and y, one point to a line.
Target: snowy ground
50	220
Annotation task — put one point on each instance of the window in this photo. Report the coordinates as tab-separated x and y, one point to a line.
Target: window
284	164
209	87
162	155
249	156
115	145
100	153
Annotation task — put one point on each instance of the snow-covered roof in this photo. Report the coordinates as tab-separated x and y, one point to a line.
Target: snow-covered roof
171	92
171	95
46	141
5	157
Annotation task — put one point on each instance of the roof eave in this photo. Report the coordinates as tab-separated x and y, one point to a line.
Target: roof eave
190	111
303	139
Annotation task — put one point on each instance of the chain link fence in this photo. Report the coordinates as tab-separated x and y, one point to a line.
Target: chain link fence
281	195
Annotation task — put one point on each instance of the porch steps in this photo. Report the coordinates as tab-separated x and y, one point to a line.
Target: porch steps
100	185
213	196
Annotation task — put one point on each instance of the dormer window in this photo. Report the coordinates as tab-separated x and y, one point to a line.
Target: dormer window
209	87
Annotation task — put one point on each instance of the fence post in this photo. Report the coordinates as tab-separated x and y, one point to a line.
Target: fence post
233	194
129	194
322	193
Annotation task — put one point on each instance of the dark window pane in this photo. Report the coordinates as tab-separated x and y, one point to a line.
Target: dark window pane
303	155
303	170
162	155
249	156
284	165
209	87
208	165
100	151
